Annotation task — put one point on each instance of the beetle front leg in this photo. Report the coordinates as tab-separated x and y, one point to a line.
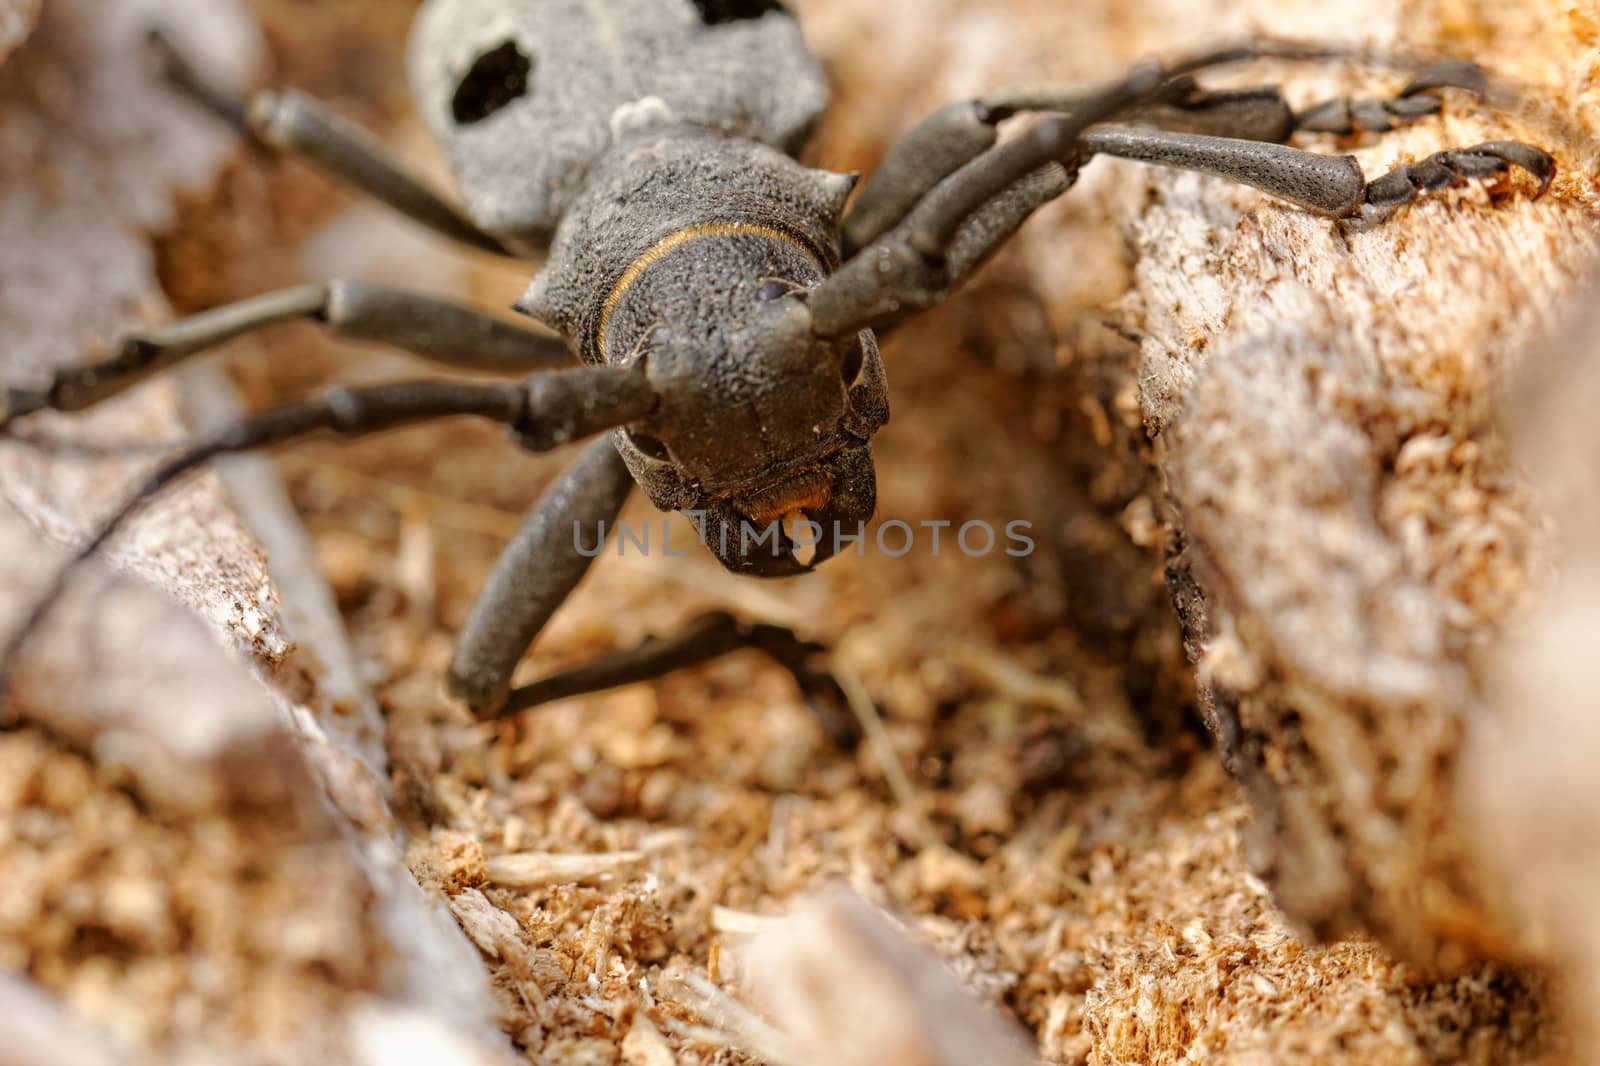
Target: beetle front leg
704	638
1419	99
958	133
544	412
535	574
434	329
915	265
539	569
1328	185
907	270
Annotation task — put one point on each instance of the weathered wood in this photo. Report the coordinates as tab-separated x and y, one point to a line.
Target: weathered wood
1532	794
1348	528
162	794
847	987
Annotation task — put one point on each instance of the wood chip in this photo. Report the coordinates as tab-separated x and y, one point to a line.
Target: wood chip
533	869
850	988
494	931
645	1046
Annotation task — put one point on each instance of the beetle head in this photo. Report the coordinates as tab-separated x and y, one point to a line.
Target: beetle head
760	423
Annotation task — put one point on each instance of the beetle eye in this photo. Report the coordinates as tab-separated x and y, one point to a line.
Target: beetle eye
648	445
850	369
772	290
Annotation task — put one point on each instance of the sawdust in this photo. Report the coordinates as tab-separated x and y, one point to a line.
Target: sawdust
115	908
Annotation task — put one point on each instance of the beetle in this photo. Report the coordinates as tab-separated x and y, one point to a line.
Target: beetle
721	299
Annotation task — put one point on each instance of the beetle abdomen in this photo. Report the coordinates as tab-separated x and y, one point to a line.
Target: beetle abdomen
525	95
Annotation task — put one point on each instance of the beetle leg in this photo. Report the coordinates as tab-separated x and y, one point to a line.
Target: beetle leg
435	329
535	573
294	123
701	639
958	133
1262	114
937	147
1327	185
544	412
892	281
1345	116
914	265
1452	167
906	270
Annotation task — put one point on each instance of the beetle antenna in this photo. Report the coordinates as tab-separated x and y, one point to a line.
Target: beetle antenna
170	471
544	412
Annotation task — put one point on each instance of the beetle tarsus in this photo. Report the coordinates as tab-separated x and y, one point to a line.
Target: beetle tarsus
1409	181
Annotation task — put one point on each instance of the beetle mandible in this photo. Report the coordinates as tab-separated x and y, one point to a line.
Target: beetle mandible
722	299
